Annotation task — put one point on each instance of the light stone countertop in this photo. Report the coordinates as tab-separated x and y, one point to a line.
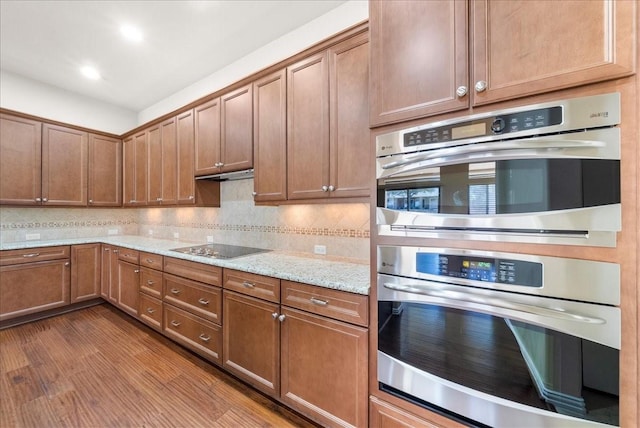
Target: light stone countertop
351	276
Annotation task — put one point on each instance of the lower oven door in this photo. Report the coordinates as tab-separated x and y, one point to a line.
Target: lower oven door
497	358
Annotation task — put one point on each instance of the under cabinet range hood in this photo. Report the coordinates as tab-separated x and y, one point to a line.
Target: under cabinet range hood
228	176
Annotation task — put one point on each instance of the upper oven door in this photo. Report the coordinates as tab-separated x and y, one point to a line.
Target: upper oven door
562	189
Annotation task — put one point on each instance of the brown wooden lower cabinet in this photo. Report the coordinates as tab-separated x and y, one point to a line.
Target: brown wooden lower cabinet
128	289
386	415
34	280
150	311
109	274
252	340
86	261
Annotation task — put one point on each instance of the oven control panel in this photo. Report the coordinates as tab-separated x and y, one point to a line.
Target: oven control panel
491	125
499	271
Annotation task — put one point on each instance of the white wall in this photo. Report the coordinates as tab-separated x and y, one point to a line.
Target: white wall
334	21
38	99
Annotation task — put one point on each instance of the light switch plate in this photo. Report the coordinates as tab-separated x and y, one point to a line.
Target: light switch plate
320	249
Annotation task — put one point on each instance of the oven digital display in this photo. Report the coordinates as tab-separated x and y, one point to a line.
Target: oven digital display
499	271
469	131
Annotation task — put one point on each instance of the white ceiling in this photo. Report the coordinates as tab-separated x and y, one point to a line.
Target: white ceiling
184	41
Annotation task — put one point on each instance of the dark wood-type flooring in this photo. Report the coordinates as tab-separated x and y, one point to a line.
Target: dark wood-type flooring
98	367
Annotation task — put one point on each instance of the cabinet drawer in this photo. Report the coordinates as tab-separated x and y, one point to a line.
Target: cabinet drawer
199	299
193	332
349	307
151	282
29	255
129	255
150	311
153	261
262	287
201	272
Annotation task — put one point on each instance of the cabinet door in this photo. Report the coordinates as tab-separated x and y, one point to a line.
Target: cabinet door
128	277
134	174
169	162
236	131
105	171
308	128
154	165
270	137
64	166
385	415
108	274
85	272
418	59
523	48
33	287
185	176
350	167
207	138
20	161
251	334
324	368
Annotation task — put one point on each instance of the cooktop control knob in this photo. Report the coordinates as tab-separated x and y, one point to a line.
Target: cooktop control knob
498	125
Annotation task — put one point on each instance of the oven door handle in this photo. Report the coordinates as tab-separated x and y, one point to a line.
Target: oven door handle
493	302
593	144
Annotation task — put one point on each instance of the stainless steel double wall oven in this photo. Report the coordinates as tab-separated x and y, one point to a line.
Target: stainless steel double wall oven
495	338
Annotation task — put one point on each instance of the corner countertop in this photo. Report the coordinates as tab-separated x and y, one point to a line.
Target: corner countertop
329	272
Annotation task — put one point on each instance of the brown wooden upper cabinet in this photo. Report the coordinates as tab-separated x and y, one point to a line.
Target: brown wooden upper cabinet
162	163
224	133
185	186
327	123
270	137
105	171
419	52
20	161
134	174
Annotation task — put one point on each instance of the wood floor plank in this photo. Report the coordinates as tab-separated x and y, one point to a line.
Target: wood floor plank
98	367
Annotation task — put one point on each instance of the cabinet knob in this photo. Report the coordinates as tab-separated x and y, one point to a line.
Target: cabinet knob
332	188
274	315
107	249
158	199
67	264
38	199
115	251
461	91
191	197
281	317
254	193
481	86
325	188
90	201
136	271
45	199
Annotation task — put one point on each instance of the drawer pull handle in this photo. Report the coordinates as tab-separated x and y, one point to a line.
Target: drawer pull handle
203	301
175	291
149	282
204	338
281	317
149	261
248	284
151	310
115	251
136	271
175	323
319	302
107	249
31	255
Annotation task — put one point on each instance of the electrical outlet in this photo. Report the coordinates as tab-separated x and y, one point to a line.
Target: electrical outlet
32	236
112	231
176	235
210	239
320	249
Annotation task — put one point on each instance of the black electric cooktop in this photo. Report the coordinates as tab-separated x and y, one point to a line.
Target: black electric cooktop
219	251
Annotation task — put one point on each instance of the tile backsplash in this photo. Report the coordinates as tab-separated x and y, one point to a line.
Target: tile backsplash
342	228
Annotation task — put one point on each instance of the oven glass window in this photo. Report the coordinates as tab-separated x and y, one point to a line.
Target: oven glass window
508	187
506	358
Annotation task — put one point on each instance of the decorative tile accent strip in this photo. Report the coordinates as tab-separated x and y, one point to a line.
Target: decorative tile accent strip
66	224
314	231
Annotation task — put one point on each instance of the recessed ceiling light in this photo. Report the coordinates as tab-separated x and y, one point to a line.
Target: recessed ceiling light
90	72
131	33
